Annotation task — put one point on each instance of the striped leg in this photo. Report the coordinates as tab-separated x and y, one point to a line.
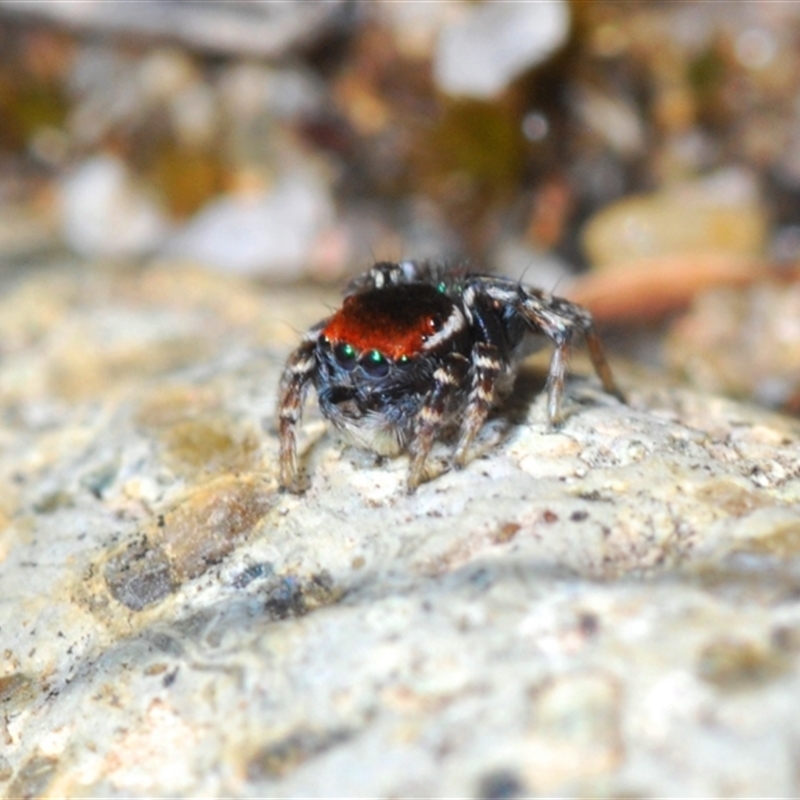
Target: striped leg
486	367
559	320
446	382
562	329
294	385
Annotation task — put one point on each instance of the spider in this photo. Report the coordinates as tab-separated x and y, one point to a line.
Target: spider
418	351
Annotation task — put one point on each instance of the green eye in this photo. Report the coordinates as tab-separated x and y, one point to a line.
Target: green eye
345	355
441	287
374	363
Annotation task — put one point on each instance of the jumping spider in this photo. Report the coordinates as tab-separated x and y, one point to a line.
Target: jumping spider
417	351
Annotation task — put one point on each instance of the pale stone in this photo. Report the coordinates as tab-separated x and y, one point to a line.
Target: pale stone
720	214
608	610
481	52
270	233
103	213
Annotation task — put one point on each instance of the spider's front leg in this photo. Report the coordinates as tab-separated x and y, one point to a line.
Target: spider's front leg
447	380
486	368
295	381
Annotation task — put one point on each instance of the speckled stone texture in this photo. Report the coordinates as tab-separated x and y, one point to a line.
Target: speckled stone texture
607	610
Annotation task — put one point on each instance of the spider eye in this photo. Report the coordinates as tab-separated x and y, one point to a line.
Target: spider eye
374	363
346	355
435	323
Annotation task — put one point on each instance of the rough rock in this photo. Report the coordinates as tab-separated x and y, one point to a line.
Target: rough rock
609	610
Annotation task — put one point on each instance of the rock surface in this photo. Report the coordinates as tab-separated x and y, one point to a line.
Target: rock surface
608	610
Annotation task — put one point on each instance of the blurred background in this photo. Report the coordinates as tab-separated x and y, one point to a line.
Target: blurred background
640	157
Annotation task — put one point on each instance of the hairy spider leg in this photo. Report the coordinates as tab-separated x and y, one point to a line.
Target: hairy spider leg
598	356
294	385
447	380
558	319
577	318
486	368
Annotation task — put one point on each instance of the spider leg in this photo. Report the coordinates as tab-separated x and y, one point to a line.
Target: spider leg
555	381
598	356
295	381
486	368
559	320
447	380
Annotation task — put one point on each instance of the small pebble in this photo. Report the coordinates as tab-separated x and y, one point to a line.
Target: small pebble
479	54
267	233
722	213
104	214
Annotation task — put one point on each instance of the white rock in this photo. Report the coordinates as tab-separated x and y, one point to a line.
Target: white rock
266	233
607	609
102	213
480	54
613	118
